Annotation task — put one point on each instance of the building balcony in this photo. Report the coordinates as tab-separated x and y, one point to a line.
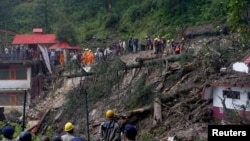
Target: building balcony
19	57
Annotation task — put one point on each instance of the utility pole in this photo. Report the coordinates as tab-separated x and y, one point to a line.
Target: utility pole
24	109
83	91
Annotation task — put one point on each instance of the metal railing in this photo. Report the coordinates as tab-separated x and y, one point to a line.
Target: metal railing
19	56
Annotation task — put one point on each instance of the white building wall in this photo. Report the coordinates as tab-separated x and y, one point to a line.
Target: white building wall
230	103
16	84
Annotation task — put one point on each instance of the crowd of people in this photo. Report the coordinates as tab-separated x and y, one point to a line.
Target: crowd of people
158	45
18	53
111	129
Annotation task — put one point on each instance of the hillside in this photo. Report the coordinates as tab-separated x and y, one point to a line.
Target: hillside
216	35
85	20
133	92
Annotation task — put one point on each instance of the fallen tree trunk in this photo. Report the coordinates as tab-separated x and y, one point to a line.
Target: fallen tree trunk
155	58
190	100
39	126
142	59
78	75
176	84
135	112
171	58
172	95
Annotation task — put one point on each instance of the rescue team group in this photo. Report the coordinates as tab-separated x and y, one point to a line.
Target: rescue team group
109	130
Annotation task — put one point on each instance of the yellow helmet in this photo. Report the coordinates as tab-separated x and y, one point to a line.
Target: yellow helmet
109	114
68	126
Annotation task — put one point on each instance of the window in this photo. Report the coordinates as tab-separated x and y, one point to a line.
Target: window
4	74
13	73
21	74
231	94
11	98
4	99
248	95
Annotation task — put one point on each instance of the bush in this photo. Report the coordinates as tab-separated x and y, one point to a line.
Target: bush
134	13
141	94
111	20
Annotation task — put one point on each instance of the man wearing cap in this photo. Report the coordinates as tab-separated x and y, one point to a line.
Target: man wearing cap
130	132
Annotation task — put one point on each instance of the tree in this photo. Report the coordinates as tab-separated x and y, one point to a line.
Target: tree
65	31
238	19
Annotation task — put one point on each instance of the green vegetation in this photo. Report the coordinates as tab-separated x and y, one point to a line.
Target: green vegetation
188	57
151	136
93	18
238	18
80	21
140	94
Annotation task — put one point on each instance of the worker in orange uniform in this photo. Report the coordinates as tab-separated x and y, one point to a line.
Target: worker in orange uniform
91	57
88	56
84	57
61	58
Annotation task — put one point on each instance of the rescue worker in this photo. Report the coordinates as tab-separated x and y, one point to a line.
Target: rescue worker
61	58
77	139
69	129
56	138
130	132
8	132
85	57
91	57
182	43
122	122
25	136
109	129
177	49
